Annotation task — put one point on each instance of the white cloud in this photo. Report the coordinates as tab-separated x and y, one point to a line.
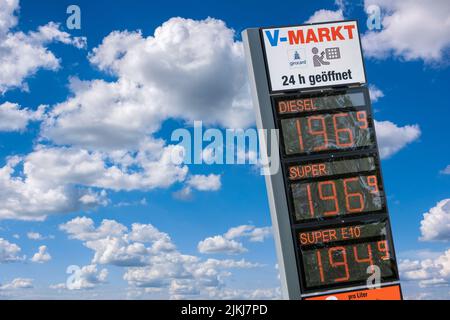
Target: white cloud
435	225
14	118
35	236
259	234
87	277
218	244
150	258
82	228
183	194
324	15
253	233
18	283
446	170
205	183
57	180
9	252
411	29
226	243
211	182
427	272
41	256
7	17
183	54
114	244
23	54
392	138
36	193
375	93
82	167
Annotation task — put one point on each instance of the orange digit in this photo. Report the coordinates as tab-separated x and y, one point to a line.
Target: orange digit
338	131
310	200
330	197
322	132
362	117
372	181
299	133
384	248
369	258
319	262
342	263
353	195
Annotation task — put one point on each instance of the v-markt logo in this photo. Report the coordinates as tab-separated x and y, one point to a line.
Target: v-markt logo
297	58
312	34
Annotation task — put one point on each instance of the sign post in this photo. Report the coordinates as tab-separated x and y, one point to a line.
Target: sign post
327	202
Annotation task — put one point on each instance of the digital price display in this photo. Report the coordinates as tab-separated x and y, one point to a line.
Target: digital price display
332	198
324	132
346	254
315	196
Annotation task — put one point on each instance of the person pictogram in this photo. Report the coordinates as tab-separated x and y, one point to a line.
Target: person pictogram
319	60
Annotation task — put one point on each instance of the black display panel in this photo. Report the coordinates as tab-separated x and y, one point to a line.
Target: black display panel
326	132
331	198
333	183
348	254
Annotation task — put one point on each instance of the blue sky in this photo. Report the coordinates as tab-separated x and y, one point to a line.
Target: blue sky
72	159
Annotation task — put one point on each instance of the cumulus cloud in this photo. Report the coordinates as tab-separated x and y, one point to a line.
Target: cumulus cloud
227	244
218	244
83	228
375	93
18	283
324	15
35	236
199	182
87	277
430	272
9	252
253	233
435	225
446	170
35	194
61	179
205	182
392	138
411	30
41	256
150	258
15	118
200	59
23	54
114	244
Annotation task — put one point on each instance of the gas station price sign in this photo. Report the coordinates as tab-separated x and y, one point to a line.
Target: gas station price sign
327	189
336	256
328	203
324	123
332	173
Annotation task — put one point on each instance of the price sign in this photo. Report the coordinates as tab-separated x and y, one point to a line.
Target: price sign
345	254
328	202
